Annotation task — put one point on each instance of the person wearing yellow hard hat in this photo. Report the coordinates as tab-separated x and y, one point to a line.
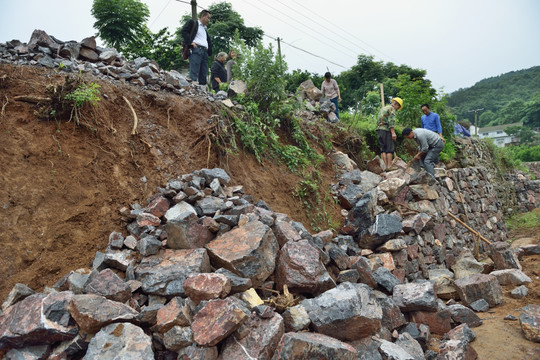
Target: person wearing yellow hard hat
385	130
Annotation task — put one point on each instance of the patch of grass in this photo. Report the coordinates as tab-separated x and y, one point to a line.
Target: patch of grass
524	221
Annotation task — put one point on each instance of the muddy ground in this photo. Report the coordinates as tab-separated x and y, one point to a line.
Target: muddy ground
62	186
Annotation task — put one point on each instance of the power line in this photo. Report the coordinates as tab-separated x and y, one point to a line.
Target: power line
300	30
354	36
161	12
311	29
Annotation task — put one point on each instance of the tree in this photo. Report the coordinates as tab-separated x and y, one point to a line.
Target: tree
120	22
524	134
294	79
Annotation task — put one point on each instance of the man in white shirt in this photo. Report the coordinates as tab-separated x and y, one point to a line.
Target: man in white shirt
194	34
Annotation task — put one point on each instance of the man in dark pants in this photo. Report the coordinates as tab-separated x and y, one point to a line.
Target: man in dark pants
194	33
429	147
218	74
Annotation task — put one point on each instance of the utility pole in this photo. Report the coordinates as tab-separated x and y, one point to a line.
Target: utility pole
382	94
279	55
476	120
194	9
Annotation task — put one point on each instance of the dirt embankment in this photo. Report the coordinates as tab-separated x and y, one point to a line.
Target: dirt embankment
61	185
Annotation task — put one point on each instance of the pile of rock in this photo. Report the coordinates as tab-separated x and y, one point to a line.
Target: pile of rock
197	273
527	191
315	103
87	57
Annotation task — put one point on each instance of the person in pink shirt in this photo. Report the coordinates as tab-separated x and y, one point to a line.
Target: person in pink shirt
330	89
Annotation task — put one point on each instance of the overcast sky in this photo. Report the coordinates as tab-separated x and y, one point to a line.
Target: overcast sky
458	42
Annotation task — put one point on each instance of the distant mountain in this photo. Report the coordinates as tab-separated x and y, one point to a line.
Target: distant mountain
504	98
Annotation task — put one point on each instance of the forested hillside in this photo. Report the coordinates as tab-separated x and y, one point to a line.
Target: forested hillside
507	98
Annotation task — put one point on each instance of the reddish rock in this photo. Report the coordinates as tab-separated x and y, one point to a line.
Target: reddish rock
210	224
207	286
455	349
187	233
217	320
109	285
249	251
146	219
387	260
416	222
479	286
365	274
439	322
158	206
40	38
412	251
285	232
263	336
88	54
300	268
92	312
89	42
307	345
37	319
175	313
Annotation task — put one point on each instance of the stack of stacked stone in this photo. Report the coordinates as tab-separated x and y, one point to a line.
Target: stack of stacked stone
197	272
86	57
527	191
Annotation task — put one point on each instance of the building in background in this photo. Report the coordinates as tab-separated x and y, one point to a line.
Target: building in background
500	138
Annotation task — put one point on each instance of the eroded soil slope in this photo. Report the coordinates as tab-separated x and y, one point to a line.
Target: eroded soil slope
61	185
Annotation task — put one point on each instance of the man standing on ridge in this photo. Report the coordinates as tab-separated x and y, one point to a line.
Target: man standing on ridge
431	120
330	89
385	130
429	147
194	33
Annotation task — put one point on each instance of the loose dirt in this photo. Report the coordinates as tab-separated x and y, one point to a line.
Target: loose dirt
62	186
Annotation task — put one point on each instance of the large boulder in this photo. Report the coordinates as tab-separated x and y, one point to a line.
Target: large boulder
300	268
305	345
37	319
165	273
347	312
249	251
120	341
479	286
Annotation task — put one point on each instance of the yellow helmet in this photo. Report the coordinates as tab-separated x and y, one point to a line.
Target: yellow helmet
399	101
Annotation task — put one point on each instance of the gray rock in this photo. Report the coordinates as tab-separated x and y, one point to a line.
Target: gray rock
386	279
463	315
19	292
461	333
177	212
116	260
510	317
236	87
519	292
178	337
479	286
109	285
347	312
392	316
361	216
123	341
369	180
392	351
350	195
415	296
530	322
503	256
149	245
215	173
165	273
209	205
511	277
385	227
480	305
238	283
410	345
367	349
35	352
305	345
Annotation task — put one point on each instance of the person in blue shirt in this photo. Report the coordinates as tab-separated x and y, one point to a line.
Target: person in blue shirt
431	121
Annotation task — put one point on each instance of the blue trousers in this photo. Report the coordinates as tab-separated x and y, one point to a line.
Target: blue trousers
335	101
198	65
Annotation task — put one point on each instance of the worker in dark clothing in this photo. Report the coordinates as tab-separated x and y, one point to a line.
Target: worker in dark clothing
218	73
194	33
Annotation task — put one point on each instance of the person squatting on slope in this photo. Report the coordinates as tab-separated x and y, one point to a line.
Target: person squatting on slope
330	89
194	33
429	147
431	120
385	130
218	74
